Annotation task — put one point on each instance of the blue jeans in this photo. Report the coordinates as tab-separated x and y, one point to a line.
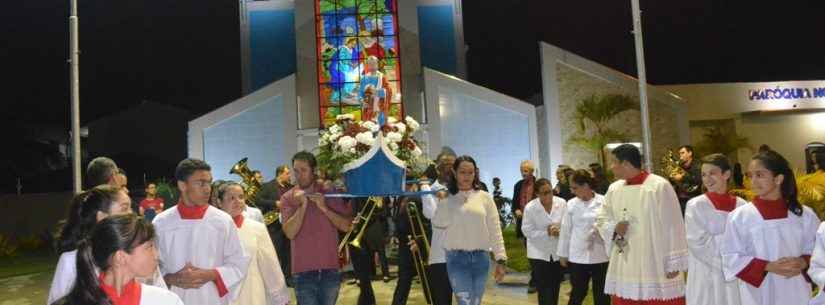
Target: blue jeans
468	271
318	287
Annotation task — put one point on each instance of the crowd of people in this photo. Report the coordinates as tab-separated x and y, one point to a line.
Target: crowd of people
633	240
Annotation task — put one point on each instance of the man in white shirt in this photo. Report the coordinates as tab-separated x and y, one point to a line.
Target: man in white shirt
642	218
442	292
200	252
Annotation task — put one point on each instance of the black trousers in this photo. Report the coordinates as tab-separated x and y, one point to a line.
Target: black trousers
580	276
361	261
382	257
547	277
440	284
406	272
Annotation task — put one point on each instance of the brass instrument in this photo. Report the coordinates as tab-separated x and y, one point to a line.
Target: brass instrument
419	258
360	222
671	167
251	187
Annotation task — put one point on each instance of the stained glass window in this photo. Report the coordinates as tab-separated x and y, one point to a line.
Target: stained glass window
349	33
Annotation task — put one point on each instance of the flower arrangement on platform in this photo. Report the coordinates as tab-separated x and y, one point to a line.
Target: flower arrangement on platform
347	140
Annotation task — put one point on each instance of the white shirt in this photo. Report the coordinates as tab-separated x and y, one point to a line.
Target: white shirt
749	236
535	220
253	213
706	284
211	242
264	282
579	240
66	272
429	205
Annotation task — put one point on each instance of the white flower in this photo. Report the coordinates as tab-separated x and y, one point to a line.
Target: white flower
417	152
333	136
401	127
372	126
392	120
365	138
352	150
334	129
393	146
347	142
348	116
394	137
412	124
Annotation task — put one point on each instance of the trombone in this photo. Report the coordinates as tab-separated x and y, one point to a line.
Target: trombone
360	222
418	232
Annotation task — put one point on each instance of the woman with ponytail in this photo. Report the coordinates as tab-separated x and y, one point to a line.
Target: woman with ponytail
767	244
264	283
86	210
121	248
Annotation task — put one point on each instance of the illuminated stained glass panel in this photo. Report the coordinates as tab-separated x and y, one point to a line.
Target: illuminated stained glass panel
348	34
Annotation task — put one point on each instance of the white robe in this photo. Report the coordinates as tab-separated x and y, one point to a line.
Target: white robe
817	269
748	235
655	239
151	295
66	272
706	284
208	243
264	282
254	214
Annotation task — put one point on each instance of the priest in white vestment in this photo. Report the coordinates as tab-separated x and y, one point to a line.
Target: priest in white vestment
705	219
201	255
767	244
642	218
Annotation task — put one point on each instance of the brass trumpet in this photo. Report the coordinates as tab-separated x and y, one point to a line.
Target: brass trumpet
419	258
359	225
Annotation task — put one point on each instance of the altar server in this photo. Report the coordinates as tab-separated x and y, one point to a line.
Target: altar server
201	255
264	282
705	218
122	248
767	244
641	216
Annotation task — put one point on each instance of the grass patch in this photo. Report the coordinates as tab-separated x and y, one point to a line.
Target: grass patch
27	263
516	251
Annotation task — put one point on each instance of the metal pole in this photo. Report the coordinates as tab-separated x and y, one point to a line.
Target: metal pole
640	65
74	80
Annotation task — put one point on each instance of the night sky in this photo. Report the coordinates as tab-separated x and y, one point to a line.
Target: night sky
186	52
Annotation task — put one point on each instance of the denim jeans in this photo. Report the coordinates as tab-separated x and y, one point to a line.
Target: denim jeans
468	272
318	287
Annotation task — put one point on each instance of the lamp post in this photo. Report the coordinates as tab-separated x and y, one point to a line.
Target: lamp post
640	66
74	84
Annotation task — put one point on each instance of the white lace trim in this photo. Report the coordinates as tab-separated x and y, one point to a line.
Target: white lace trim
677	261
645	291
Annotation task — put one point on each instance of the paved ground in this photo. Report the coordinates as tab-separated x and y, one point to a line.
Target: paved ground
32	289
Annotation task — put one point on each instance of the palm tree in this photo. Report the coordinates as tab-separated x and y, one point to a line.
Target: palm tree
714	140
598	111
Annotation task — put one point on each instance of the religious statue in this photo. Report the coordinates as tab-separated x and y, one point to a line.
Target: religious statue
375	93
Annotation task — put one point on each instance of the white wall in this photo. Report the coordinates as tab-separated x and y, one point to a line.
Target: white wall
786	125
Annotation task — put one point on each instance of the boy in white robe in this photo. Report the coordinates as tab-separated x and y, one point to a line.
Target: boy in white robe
201	255
767	244
705	219
641	215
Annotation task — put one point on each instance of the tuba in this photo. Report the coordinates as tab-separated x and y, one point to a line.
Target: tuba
251	187
671	167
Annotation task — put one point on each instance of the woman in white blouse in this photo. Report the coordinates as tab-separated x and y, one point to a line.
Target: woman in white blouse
581	248
264	283
541	225
470	220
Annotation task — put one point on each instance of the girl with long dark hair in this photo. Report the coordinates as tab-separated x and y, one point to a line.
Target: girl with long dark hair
470	220
122	249
705	218
264	282
767	244
86	210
